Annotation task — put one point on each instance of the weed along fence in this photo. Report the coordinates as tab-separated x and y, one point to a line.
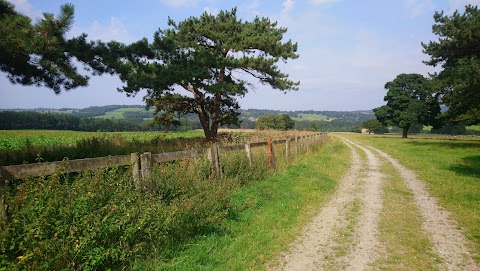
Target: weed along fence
142	164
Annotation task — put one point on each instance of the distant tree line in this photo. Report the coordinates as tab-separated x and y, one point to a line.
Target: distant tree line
12	120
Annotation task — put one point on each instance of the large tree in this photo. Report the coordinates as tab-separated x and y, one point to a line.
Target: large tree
208	61
458	52
410	100
40	54
270	121
373	126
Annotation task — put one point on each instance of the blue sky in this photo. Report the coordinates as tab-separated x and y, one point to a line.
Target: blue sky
348	49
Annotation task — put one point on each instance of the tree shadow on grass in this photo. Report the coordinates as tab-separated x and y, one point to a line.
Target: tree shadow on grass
469	167
451	144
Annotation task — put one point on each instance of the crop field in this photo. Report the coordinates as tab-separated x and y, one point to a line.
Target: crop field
31	146
118	113
19	139
312	117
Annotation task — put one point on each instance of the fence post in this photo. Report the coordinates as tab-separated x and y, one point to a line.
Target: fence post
296	145
146	168
287	149
3	198
248	150
217	159
213	156
271	155
135	162
302	143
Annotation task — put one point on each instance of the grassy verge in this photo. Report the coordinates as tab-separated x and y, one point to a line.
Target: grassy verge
405	245
451	170
265	216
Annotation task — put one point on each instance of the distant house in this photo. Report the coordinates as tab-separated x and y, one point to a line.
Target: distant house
364	131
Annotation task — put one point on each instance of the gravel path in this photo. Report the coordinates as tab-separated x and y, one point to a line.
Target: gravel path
343	235
448	241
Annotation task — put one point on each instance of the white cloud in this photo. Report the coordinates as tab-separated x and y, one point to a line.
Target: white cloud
114	30
180	3
419	7
24	7
321	2
211	11
252	8
288	6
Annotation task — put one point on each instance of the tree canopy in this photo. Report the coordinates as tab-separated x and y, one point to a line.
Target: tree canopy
458	52
39	54
208	61
410	100
373	125
270	121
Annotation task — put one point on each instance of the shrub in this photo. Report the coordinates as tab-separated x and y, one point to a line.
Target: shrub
99	220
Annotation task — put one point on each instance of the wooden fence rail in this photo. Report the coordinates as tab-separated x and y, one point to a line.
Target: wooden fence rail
141	164
14	172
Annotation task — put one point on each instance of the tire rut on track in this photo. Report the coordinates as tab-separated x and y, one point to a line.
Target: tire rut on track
318	245
448	241
367	245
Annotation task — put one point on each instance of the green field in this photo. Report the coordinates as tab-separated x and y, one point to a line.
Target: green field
18	139
449	166
312	117
118	113
474	128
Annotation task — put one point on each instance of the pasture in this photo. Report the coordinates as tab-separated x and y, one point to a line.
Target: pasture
312	117
118	113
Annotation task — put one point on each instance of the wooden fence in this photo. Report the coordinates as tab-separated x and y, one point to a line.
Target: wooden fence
141	164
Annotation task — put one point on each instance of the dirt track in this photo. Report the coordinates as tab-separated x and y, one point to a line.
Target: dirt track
344	233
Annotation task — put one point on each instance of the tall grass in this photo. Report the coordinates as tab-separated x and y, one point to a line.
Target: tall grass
451	170
100	220
265	216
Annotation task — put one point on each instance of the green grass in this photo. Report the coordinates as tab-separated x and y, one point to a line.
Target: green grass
18	139
118	113
473	128
312	117
406	247
267	215
451	170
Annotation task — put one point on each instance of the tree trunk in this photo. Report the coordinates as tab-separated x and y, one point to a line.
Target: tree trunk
205	121
208	134
167	126
405	131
